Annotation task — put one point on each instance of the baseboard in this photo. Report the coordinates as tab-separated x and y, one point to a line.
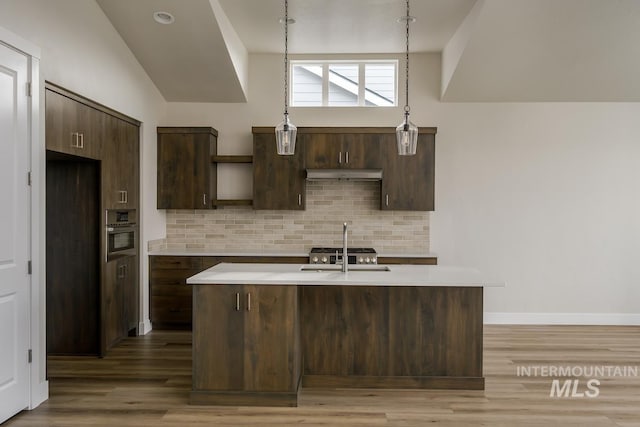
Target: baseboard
144	327
622	319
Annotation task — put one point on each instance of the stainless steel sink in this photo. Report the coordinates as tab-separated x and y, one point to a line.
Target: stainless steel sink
338	268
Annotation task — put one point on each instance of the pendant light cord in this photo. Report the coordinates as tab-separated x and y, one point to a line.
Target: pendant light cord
406	82
286	57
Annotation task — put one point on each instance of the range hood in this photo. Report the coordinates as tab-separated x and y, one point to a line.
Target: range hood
352	174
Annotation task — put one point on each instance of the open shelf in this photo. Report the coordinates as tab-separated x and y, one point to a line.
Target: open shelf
231	159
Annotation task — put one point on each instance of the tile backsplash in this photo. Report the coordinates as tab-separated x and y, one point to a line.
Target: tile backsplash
329	204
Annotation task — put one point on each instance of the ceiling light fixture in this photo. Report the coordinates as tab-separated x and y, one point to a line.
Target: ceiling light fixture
286	131
407	132
164	18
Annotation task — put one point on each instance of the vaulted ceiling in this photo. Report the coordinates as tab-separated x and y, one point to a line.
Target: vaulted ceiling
492	50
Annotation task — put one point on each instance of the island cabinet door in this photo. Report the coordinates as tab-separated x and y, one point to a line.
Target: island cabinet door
272	360
246	338
218	338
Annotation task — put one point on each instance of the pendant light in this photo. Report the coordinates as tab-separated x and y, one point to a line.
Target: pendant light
407	132
286	131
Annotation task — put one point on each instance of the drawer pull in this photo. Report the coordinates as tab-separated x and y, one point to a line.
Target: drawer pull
237	301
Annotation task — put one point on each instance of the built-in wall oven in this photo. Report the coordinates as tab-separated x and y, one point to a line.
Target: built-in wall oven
121	233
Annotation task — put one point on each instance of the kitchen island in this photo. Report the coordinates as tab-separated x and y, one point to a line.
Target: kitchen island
263	331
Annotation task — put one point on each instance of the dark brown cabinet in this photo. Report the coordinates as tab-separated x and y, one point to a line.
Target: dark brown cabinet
170	296
398	336
72	127
120	300
131	294
247	342
82	133
186	174
408	181
120	166
113	303
278	181
346	148
170	301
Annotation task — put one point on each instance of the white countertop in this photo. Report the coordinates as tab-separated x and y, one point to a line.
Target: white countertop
291	274
254	253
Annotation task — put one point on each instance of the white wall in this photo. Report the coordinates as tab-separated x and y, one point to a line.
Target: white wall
82	52
543	196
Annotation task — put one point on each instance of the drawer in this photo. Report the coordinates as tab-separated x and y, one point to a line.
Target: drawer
166	309
172	290
168	277
175	262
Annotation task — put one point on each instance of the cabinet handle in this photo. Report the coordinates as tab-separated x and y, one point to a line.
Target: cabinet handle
249	301
340	157
299	199
123	196
387	200
346	155
237	301
75	140
81	145
204	199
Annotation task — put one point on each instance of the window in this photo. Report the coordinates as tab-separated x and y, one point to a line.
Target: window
344	83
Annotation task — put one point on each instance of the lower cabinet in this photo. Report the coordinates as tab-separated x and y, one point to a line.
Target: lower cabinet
170	296
246	345
392	337
119	300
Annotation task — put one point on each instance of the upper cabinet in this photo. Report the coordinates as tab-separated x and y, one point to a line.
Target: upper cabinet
120	167
338	148
278	181
408	181
186	174
96	132
72	127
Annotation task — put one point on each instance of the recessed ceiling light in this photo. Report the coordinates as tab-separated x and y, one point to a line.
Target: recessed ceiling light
163	18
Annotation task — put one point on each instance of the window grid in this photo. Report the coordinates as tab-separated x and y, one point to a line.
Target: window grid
377	83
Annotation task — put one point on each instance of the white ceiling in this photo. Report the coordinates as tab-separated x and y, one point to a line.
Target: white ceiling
505	50
345	26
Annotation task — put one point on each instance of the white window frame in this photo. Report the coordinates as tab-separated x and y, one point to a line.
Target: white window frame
325	64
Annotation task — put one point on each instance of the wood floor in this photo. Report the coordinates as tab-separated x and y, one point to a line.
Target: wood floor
145	381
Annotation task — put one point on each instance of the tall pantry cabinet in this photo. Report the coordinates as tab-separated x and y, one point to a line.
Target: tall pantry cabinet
93	157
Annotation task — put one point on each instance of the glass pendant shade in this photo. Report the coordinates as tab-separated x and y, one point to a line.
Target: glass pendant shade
407	137
286	137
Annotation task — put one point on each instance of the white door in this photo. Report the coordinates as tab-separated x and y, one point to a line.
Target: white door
14	233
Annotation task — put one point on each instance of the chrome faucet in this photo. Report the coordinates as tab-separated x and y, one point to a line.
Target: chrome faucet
345	256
